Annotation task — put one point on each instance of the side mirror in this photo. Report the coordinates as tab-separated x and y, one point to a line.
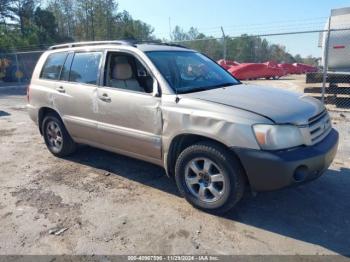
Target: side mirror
156	89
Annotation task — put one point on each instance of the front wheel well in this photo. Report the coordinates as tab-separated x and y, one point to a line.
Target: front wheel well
42	113
181	142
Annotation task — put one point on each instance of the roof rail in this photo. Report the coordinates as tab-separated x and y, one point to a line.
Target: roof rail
159	43
77	44
176	45
131	42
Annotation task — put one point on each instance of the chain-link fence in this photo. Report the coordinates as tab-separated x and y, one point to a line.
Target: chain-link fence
17	68
335	43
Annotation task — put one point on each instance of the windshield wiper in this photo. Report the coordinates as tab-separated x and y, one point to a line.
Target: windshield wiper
223	85
200	89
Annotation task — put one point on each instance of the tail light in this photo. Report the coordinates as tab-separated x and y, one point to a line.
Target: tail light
339	46
28	94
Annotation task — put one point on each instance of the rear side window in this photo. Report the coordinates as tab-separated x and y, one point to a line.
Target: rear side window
53	66
85	68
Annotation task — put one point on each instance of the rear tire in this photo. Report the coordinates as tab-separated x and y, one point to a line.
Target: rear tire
209	177
56	136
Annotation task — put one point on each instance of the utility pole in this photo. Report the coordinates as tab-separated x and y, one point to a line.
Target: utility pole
170	30
325	58
224	42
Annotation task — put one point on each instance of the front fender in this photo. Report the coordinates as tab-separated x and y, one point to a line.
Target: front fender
229	126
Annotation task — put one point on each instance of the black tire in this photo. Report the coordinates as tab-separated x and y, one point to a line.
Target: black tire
227	164
67	146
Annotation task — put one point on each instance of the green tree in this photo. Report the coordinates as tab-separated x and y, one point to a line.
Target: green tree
47	26
23	11
244	49
128	28
6	10
179	34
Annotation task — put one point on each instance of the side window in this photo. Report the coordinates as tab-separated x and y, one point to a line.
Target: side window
66	67
166	67
124	71
85	68
53	66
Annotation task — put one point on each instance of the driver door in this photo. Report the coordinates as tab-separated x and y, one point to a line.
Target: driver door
130	120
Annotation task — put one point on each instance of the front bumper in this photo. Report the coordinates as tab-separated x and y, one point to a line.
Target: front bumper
267	170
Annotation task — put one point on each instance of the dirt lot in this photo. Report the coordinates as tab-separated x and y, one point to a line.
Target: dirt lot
110	204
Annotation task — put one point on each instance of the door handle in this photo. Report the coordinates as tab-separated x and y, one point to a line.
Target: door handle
61	89
105	98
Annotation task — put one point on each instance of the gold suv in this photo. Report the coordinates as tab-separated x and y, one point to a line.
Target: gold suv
177	108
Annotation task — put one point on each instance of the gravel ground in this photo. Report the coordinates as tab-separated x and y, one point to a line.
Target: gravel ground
103	203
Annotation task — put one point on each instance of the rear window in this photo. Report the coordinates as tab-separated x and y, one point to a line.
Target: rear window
53	66
85	68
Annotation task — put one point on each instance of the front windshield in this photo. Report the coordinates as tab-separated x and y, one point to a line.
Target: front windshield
190	71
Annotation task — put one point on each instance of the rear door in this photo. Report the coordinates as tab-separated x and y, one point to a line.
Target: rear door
48	82
76	94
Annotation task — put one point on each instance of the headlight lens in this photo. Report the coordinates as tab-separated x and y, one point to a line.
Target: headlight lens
275	137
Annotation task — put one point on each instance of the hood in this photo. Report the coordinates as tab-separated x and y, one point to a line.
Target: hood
279	105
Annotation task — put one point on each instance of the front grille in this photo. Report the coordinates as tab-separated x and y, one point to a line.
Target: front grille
319	127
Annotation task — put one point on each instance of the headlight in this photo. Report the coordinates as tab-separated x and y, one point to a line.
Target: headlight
275	137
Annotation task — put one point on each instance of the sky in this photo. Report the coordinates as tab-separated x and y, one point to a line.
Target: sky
240	16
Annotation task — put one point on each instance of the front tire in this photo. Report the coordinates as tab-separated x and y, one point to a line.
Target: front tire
209	177
56	136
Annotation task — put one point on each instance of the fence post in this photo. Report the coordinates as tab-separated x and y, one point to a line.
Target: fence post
325	59
224	43
17	68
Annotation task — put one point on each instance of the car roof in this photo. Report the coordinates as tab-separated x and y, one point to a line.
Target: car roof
161	47
142	46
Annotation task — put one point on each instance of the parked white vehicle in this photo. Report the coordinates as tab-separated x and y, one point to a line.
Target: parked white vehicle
339	40
336	57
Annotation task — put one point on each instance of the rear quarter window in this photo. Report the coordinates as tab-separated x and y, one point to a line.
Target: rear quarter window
53	66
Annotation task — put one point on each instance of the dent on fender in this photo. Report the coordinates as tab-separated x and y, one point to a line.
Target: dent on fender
157	122
199	123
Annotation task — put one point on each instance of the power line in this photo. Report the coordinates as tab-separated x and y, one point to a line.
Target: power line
243	30
262	25
270	23
277	30
43	46
266	35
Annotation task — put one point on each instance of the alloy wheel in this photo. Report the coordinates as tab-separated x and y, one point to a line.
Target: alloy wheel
205	180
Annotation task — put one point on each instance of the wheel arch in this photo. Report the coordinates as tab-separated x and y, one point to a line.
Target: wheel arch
42	113
182	141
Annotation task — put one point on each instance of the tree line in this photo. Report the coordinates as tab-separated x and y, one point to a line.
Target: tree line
30	25
245	48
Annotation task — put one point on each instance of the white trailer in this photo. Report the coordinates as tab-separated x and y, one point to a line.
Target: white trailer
337	37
